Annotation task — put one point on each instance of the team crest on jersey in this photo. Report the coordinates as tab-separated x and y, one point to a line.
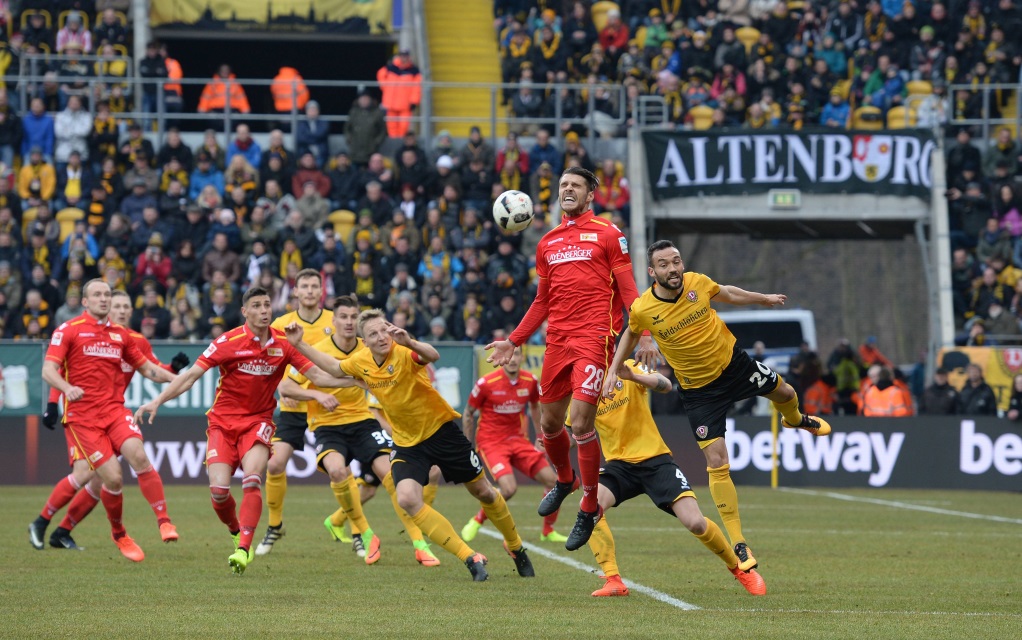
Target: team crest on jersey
701	432
328	330
587	237
522	393
692	296
619	385
116	337
390	368
275	352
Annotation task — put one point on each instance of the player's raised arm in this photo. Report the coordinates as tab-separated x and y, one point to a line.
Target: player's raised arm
426	353
534	317
654	380
181	384
321	378
624	348
733	295
325	363
291	389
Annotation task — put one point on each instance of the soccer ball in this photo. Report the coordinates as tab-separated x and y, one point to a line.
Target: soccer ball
512	211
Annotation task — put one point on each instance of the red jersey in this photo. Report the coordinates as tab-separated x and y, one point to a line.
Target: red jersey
502	404
90	353
127	370
585	281
249	373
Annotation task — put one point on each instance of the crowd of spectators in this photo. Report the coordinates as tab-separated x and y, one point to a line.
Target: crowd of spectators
757	63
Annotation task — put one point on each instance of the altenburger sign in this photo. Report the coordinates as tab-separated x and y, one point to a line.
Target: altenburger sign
686	163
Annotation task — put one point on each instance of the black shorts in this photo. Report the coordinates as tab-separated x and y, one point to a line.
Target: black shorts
448	449
363	441
365	474
707	406
659	478
291	426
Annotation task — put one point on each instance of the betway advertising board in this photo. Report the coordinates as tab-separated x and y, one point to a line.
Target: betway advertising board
923	452
689	163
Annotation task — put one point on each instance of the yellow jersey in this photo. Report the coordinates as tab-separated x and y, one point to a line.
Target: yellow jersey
414	408
692	337
625	425
319	329
353	405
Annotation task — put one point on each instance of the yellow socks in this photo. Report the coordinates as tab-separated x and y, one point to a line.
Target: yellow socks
602	545
714	540
276	489
500	516
346	493
789	411
338	518
429	494
722	489
440	531
411	528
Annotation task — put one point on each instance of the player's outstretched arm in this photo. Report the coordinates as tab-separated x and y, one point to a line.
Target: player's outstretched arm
502	351
291	389
651	380
180	385
624	348
156	373
427	353
321	378
326	364
733	295
51	374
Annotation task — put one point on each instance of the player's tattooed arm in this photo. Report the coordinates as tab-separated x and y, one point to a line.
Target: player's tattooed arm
156	373
468	422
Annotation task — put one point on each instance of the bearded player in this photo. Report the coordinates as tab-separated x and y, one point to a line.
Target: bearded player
585	282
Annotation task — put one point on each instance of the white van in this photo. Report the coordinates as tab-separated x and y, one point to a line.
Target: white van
782	332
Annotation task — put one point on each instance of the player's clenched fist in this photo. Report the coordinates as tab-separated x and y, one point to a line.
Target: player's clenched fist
294	333
74	393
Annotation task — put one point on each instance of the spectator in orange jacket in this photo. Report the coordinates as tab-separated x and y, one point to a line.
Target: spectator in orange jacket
222	90
401	84
870	354
884	399
612	194
289	91
820	396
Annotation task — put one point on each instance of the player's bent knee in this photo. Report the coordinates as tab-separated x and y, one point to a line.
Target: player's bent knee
337	474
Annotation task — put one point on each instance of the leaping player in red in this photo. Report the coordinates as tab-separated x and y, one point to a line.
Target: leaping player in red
251	358
91	350
585	283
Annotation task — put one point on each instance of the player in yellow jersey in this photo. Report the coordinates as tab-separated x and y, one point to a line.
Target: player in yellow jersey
712	370
291	415
346	431
394	369
639	462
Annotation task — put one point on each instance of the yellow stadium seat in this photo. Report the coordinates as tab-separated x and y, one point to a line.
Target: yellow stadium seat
843	87
47	19
901	118
343	221
67	219
868	117
702	117
599	13
747	36
28	216
62	18
920	88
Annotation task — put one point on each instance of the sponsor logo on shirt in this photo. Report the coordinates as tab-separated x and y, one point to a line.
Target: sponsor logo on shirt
244	352
275	352
57	338
126	368
102	350
508	407
587	237
86	335
561	239
569	254
657	320
257	368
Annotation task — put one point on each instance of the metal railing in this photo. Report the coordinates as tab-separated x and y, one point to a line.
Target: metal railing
992	95
29	85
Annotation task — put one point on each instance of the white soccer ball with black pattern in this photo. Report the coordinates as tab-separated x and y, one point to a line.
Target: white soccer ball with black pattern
512	211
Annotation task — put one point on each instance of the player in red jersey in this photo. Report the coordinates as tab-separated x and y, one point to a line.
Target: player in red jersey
91	350
498	404
585	282
251	358
86	499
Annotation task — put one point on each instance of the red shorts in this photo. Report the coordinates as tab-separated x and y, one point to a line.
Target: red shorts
98	443
228	445
576	368
503	457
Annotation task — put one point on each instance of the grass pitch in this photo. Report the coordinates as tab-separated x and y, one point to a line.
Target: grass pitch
838	564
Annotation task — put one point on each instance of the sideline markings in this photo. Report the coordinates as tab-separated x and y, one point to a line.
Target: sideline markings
903	505
581	566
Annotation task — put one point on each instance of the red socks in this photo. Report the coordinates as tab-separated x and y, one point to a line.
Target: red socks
82	505
60	496
480	517
557	447
114	505
225	507
152	488
548	522
589	469
251	509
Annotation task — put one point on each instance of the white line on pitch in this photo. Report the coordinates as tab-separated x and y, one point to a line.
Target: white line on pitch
963	614
581	566
903	505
